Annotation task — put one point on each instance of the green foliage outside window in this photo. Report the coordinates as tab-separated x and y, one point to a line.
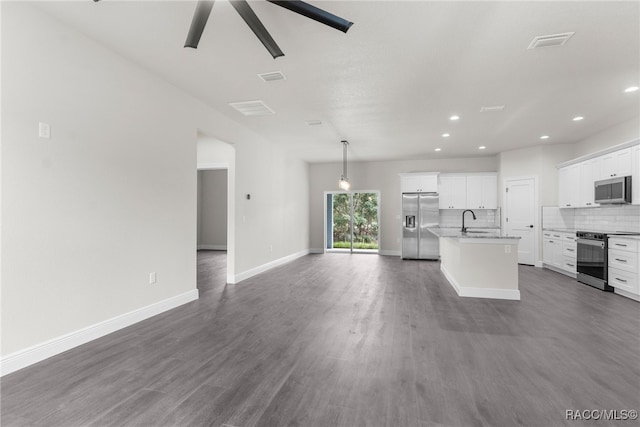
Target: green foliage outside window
365	221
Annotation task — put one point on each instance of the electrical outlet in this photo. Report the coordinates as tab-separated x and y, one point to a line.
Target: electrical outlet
270	248
152	278
507	249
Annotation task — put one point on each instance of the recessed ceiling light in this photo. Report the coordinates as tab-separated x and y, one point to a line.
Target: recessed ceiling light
438	149
577	118
544	137
482	147
445	135
454	118
631	89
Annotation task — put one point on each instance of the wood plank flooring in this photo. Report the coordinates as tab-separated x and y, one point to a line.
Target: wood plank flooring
346	340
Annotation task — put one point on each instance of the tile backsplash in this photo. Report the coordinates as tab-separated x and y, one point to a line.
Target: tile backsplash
485	218
605	218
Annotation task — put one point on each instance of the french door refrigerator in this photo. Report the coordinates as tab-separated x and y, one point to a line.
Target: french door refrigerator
419	212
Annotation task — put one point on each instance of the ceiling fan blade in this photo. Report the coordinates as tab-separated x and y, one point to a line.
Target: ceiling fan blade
315	13
200	16
249	16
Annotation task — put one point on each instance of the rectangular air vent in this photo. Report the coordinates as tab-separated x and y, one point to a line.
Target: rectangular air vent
549	40
488	109
252	108
313	122
272	77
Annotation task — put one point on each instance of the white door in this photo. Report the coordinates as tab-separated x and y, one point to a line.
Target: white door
521	219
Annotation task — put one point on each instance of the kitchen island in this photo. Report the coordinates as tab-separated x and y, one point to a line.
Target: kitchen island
479	263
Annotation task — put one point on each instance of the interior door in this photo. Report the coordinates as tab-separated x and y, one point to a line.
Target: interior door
520	216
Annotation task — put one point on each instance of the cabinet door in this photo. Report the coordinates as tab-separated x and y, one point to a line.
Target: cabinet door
618	163
489	192
409	184
623	162
453	192
428	183
588	171
569	179
459	192
548	250
474	192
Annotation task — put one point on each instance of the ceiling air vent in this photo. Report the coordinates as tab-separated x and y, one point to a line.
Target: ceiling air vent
252	108
488	109
549	40
272	77
313	122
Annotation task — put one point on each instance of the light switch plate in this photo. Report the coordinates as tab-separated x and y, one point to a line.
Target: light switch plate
44	130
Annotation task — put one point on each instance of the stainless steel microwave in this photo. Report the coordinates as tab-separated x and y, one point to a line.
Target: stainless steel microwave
614	190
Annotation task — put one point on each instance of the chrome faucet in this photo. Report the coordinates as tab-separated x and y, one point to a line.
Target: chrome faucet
464	229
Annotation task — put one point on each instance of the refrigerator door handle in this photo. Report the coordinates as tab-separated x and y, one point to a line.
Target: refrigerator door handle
410	221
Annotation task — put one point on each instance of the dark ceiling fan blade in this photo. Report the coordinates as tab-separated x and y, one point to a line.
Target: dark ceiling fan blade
314	13
249	16
200	16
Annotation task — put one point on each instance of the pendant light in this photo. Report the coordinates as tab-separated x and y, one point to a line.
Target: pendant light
344	180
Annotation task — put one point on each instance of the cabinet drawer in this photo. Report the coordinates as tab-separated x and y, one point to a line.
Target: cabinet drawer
623	244
622	260
569	238
624	280
569	250
569	264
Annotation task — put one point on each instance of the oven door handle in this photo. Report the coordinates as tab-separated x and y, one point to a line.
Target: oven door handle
591	243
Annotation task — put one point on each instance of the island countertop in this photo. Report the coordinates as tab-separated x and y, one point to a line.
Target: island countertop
486	234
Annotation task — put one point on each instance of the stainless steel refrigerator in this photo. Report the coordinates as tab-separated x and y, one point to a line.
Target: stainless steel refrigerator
419	212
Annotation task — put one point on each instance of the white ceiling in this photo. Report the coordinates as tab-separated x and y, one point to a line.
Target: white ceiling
390	84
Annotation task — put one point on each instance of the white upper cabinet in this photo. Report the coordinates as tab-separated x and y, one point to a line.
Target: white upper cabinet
419	182
589	170
453	191
482	192
616	164
569	186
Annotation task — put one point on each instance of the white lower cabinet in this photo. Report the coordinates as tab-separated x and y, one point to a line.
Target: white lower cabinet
623	267
559	251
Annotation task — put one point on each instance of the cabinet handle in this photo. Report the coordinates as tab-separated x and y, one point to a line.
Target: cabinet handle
621	260
570	265
570	250
621	280
556	235
620	244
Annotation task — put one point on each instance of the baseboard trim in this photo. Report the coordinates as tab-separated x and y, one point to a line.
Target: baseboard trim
212	247
390	253
316	251
39	352
233	279
627	294
493	293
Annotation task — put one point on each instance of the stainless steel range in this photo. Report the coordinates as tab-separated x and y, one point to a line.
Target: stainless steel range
592	259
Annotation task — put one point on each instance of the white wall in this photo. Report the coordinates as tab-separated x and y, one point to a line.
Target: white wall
111	196
540	160
212	209
624	132
382	176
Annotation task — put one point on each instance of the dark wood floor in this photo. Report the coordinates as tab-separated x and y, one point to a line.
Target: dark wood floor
347	340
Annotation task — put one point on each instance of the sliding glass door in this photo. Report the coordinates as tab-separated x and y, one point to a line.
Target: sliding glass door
352	221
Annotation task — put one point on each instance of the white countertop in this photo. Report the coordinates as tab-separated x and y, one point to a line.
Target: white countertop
472	233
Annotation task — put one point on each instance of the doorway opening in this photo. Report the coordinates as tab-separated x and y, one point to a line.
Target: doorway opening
215	211
352	221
